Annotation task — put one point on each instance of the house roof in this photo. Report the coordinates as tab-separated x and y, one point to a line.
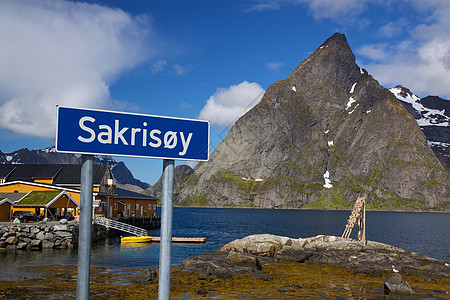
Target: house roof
6	200
5	170
42	198
62	174
12	196
122	194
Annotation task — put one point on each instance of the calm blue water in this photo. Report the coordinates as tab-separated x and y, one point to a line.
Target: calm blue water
426	233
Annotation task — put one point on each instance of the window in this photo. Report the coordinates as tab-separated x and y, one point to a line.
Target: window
154	206
137	206
116	206
149	206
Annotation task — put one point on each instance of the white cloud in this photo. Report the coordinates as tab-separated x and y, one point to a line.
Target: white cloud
228	104
264	5
179	70
376	52
421	61
333	9
159	66
65	53
274	66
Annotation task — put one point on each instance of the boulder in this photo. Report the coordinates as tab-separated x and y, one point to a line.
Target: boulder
47	244
258	244
237	259
36	244
12	240
49	236
40	236
22	246
147	276
63	221
396	284
63	234
221	264
16	221
60	227
289	253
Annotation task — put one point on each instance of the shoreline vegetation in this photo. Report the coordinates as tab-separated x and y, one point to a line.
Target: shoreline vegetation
324	209
284	280
255	267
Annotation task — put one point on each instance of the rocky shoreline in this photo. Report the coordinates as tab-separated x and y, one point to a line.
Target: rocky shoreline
45	235
246	254
263	267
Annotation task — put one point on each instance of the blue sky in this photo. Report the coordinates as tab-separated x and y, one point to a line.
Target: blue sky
196	59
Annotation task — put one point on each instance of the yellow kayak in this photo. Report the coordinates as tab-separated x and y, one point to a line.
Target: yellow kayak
136	239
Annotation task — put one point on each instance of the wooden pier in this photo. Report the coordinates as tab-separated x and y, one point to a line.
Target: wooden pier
181	239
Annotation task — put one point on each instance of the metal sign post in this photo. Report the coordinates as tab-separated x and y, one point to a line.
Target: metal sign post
85	230
101	132
165	253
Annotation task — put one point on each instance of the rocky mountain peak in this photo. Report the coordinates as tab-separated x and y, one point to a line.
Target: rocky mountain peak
320	138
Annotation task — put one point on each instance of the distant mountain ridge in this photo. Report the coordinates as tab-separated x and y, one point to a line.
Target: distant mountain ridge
121	173
432	114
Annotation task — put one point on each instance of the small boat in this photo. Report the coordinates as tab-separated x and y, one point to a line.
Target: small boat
136	239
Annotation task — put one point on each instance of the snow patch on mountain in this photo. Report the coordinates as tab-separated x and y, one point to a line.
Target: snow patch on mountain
429	117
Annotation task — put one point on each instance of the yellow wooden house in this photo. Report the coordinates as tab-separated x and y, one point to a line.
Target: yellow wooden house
54	191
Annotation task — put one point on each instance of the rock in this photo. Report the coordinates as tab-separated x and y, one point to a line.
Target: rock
214	265
285	289
49	236
147	276
45	220
237	259
36	244
40	236
60	228
47	244
16	221
258	244
12	240
63	221
63	234
396	284
289	253
21	246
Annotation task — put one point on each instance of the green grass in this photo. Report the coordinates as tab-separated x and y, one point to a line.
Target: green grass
333	199
38	198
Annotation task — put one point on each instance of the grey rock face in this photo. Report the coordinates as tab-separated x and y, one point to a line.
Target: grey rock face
396	284
320	138
322	249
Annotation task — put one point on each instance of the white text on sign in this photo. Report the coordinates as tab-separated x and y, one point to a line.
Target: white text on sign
127	136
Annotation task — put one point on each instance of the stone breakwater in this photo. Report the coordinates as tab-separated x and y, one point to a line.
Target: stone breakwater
42	235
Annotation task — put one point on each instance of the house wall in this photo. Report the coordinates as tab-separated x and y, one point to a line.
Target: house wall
63	202
22	188
5	212
138	207
47	181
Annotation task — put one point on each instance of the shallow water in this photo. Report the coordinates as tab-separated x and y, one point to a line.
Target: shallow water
426	233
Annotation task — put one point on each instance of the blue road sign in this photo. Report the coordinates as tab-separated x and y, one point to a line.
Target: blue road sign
90	131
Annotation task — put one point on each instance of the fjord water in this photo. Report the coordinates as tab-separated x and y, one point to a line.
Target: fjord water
426	233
